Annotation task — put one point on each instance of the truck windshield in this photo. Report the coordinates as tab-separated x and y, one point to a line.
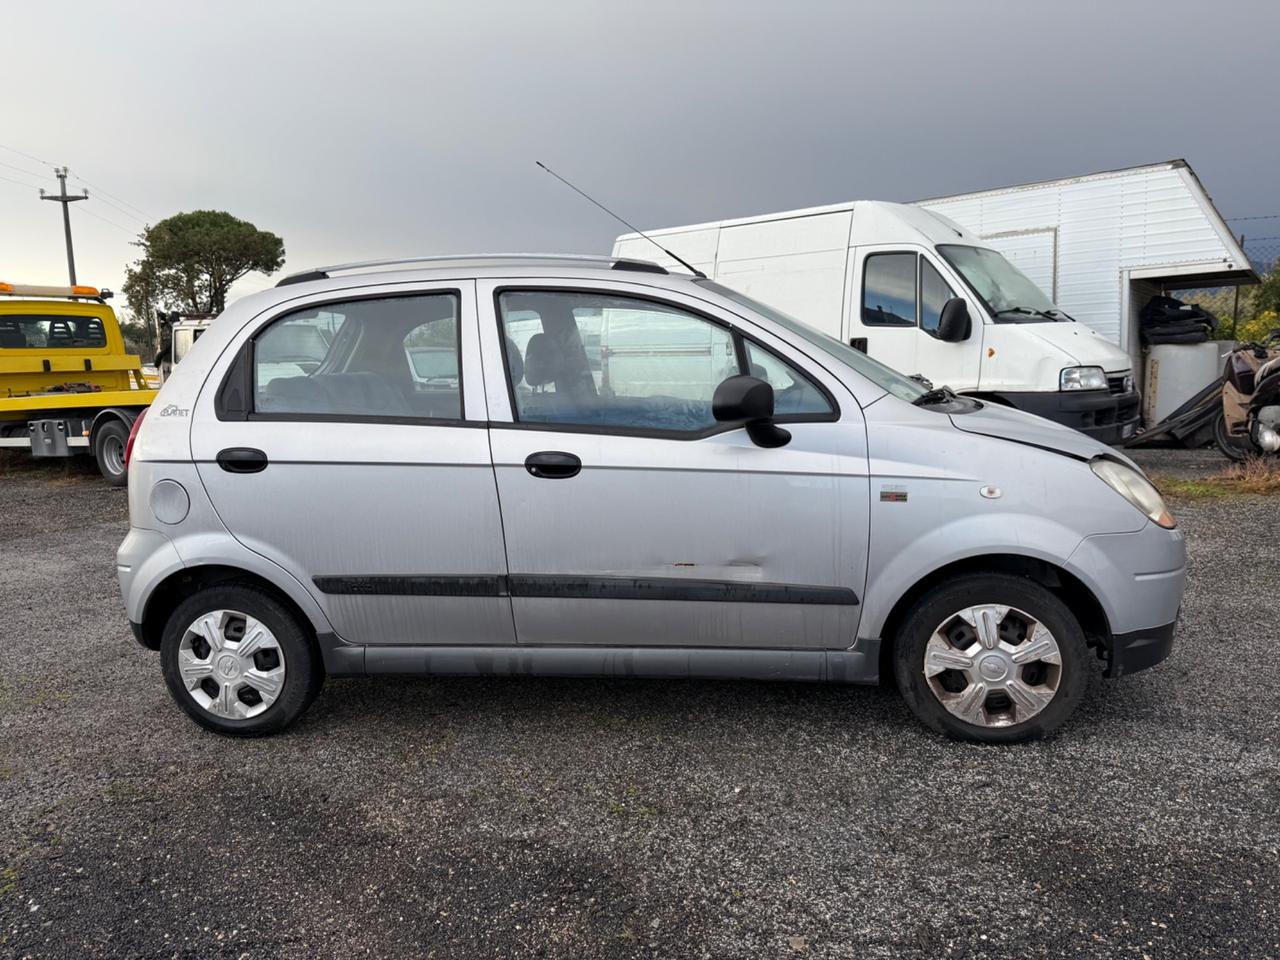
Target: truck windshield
895	383
1008	293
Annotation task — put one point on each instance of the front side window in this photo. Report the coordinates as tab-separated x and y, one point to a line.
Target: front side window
387	357
934	293
884	377
793	392
592	359
51	332
889	290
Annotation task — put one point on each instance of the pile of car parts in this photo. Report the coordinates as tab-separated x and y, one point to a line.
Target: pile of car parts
1190	425
1169	320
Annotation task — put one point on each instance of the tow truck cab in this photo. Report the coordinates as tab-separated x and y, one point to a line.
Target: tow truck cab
68	385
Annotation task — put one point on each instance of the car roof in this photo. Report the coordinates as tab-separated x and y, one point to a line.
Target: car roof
486	264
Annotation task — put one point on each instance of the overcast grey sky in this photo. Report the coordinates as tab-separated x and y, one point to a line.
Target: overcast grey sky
373	128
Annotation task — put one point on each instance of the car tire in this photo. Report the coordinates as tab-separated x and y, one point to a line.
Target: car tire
109	444
198	673
1011	707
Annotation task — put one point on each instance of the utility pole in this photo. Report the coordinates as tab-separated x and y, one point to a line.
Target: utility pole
66	200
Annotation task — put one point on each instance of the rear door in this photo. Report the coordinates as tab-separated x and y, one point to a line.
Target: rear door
364	475
631	517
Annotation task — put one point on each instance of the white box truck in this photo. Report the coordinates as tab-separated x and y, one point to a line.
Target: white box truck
918	292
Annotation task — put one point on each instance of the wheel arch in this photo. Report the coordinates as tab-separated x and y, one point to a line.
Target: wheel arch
166	596
1078	597
125	415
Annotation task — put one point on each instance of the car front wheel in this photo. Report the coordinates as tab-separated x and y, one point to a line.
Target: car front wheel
238	661
992	658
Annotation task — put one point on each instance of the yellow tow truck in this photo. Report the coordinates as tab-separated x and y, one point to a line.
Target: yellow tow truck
67	384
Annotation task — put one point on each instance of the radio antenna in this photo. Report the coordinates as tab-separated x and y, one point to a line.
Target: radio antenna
680	260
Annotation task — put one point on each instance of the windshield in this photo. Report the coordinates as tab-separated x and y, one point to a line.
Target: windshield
1008	293
901	387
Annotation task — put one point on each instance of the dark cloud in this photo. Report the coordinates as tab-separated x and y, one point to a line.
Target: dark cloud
363	129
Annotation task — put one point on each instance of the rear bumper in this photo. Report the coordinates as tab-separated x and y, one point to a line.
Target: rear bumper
1131	652
1105	416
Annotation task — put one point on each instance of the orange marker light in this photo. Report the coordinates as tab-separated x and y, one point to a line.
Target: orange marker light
6	288
991	351
84	291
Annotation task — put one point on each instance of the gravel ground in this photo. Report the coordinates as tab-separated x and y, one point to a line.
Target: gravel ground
512	817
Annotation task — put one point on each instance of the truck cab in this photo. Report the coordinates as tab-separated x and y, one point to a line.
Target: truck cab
68	385
918	292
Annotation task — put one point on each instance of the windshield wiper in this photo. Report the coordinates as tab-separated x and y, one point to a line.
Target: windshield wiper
930	397
1026	312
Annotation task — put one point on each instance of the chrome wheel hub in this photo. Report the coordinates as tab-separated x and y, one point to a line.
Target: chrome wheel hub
231	664
993	665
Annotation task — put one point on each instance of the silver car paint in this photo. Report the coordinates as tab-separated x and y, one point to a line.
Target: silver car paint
1050	507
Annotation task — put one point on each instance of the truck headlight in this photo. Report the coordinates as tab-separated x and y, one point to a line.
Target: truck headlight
1135	488
1082	378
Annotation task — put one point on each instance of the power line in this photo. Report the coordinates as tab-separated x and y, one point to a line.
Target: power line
22	183
99	195
1269	216
146	217
98	216
27	155
30	173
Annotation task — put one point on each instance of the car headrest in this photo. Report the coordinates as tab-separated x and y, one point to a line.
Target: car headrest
514	361
542	360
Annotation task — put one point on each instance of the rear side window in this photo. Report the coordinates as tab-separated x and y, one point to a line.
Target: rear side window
619	363
51	332
392	357
889	290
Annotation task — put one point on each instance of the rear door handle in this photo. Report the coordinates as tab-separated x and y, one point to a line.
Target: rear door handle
242	460
552	465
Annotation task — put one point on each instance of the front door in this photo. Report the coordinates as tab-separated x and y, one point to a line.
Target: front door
350	448
898	295
632	518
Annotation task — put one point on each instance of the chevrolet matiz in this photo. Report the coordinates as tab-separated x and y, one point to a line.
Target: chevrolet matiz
563	466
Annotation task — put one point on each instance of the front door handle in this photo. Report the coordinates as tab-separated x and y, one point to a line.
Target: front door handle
552	465
242	460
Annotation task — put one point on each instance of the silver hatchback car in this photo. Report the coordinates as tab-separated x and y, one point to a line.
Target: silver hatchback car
562	466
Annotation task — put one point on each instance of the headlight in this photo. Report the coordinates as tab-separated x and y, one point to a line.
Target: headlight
1082	378
1135	488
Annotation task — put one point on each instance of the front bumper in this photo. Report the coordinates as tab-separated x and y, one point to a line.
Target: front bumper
1107	417
1139	579
1131	652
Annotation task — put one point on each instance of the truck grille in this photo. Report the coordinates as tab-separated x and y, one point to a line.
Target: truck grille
1116	382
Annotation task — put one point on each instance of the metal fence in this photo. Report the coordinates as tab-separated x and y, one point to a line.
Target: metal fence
1239	314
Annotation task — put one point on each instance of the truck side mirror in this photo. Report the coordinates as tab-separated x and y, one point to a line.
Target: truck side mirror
749	401
953	324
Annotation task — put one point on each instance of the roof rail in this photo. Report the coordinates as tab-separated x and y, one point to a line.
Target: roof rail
359	266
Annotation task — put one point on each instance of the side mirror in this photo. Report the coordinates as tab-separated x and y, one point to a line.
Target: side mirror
953	324
749	401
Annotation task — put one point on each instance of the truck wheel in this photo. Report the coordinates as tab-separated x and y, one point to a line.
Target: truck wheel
108	450
238	662
991	658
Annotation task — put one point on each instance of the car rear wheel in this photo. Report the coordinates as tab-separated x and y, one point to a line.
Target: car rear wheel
239	662
108	450
992	658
